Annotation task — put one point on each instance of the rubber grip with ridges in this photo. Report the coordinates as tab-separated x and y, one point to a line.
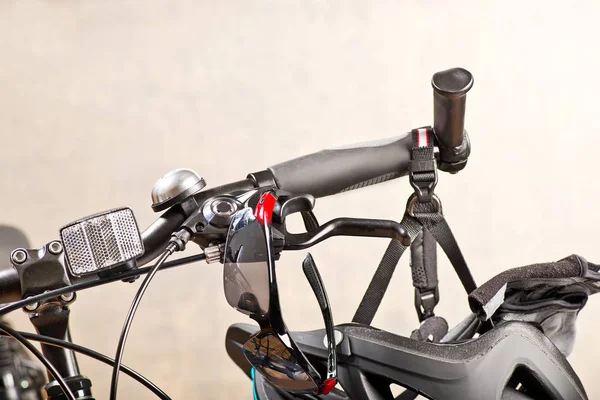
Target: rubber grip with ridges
332	171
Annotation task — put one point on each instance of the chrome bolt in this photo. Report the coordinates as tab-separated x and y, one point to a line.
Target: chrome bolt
55	247
223	207
24	384
32	306
67	297
19	256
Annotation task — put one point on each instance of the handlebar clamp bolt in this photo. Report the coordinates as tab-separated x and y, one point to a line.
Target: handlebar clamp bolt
223	207
19	256
32	306
67	297
55	247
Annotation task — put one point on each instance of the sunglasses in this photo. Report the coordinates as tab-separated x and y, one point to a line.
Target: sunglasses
251	288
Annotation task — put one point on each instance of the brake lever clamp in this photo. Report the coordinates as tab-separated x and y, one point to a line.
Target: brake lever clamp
208	222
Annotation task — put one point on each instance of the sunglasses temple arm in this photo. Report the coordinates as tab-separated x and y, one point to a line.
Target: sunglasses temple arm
316	283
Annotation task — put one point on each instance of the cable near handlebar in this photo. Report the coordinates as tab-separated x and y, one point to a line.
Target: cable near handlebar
86	285
55	374
95	355
129	319
90	284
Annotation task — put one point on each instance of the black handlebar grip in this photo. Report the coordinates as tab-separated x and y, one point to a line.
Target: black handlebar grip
338	170
450	89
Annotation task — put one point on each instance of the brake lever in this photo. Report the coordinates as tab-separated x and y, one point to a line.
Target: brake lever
289	204
361	227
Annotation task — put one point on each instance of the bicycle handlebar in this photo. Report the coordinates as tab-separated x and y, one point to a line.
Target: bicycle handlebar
320	174
338	170
157	235
327	172
155	239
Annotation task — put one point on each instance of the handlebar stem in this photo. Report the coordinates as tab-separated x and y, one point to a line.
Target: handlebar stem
53	320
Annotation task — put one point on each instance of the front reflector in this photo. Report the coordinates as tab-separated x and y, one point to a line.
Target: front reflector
102	241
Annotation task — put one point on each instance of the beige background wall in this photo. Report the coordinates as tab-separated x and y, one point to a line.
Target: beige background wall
99	98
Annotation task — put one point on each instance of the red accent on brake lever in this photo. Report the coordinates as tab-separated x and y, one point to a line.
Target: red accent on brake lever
264	208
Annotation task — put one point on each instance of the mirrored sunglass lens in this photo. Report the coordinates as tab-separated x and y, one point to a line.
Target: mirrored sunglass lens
277	363
246	268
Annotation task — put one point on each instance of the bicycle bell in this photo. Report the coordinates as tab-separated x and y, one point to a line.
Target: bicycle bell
174	187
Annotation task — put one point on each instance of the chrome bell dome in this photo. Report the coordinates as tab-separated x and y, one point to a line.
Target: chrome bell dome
174	187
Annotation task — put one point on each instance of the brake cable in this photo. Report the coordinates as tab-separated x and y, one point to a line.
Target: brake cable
129	319
10	307
177	243
7	331
49	366
86	351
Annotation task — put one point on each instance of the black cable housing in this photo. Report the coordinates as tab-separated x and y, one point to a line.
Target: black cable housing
51	369
129	318
10	307
86	351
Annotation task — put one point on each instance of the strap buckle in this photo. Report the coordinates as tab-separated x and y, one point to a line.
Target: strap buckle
423	168
410	207
423	178
425	302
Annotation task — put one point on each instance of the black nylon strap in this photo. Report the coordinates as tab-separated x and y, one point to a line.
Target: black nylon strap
423	170
431	330
423	178
428	215
430	259
423	215
440	230
423	264
383	275
423	261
